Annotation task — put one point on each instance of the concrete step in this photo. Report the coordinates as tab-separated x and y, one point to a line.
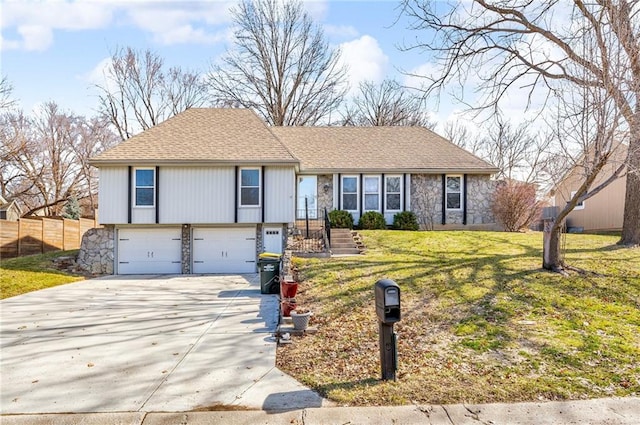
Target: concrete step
347	244
345	251
341	238
341	231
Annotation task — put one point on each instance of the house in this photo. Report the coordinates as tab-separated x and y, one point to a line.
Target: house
9	210
209	189
605	210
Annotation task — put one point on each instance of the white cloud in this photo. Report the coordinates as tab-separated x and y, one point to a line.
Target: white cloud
188	34
365	61
35	23
98	75
177	23
317	9
35	37
415	78
340	31
168	22
57	15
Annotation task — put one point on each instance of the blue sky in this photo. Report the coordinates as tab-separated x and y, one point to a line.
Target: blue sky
57	50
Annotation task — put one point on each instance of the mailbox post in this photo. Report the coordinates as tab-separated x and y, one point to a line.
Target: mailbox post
388	311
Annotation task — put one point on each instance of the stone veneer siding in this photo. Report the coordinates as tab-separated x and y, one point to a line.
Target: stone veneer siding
259	244
426	200
480	190
325	198
97	250
186	249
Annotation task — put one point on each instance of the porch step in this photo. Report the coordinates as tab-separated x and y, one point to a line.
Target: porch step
343	243
345	251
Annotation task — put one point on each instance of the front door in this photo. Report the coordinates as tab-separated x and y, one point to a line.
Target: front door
307	197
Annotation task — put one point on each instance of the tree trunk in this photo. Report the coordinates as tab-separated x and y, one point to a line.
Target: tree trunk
551	256
631	223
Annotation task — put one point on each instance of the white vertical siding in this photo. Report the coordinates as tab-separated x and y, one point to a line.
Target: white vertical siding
407	193
197	195
336	191
279	191
143	215
249	215
112	196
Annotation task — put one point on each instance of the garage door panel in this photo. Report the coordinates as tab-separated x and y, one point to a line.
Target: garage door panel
230	250
149	251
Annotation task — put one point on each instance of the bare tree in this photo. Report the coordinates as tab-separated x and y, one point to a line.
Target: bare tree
19	146
94	136
386	104
589	129
523	44
519	152
459	134
138	93
6	90
45	159
281	65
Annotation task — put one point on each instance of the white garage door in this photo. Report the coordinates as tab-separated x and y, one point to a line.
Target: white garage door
149	251
230	250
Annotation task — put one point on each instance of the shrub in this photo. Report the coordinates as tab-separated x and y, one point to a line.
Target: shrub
515	205
372	220
72	208
341	219
405	220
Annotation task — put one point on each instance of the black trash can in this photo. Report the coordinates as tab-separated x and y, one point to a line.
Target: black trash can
269	266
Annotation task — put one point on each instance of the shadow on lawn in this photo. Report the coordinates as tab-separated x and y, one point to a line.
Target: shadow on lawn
489	292
326	389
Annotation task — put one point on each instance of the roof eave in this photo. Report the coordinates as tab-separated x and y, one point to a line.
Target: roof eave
398	170
157	162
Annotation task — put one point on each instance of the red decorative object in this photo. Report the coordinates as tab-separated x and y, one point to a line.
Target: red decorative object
288	306
289	289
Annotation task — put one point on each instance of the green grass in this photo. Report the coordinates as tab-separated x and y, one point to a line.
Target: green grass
481	321
31	273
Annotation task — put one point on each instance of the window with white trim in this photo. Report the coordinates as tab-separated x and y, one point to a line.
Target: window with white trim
249	187
372	193
392	193
454	192
145	188
349	193
579	205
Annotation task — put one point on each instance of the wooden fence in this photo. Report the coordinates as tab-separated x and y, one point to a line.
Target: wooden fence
29	236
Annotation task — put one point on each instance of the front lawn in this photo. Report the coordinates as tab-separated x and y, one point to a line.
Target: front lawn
481	321
32	273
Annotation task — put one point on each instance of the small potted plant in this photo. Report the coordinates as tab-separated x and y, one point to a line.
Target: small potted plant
300	319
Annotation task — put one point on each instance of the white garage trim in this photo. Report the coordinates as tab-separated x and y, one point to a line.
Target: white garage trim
224	250
156	250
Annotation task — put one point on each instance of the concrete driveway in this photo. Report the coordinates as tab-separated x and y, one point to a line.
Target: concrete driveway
145	343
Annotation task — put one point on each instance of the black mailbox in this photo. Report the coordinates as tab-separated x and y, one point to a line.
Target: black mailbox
387	301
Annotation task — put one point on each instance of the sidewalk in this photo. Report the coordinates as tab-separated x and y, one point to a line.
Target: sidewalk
609	411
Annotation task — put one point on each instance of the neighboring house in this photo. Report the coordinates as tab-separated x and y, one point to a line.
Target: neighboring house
9	211
602	212
209	189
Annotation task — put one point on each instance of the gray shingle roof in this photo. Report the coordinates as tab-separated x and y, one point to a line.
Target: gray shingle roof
202	135
409	149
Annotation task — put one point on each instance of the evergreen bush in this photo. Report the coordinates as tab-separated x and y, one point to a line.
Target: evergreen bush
405	220
341	219
372	220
